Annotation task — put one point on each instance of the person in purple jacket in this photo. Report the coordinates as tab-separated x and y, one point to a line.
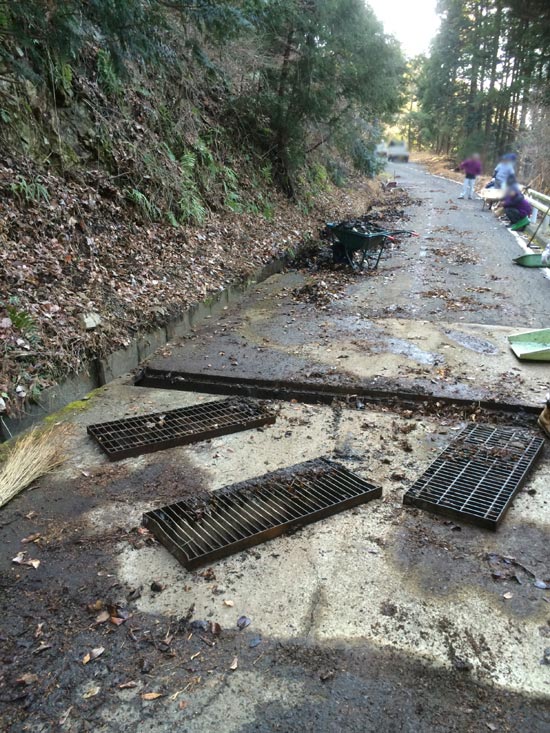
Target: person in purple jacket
472	168
516	207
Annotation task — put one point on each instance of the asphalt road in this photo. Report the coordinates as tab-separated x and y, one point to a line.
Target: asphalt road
464	255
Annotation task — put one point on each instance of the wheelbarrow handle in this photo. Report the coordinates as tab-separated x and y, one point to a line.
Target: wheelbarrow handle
394	232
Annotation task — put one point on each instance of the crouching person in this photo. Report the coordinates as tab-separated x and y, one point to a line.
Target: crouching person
516	207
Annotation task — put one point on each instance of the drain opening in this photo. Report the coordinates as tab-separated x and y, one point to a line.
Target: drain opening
251	512
314	391
156	431
477	476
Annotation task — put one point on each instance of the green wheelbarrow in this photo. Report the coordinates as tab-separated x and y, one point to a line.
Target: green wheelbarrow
367	246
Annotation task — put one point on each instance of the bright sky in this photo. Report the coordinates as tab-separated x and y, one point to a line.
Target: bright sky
413	22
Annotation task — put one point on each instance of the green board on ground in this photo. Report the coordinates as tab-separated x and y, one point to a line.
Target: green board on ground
529	260
532	345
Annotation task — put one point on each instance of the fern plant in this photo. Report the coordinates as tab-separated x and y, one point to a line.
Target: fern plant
232	197
107	74
20	319
171	218
148	208
30	192
190	206
63	76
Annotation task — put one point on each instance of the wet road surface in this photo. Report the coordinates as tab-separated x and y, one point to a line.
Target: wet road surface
382	619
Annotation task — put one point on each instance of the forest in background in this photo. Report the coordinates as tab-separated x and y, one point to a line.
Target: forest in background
486	84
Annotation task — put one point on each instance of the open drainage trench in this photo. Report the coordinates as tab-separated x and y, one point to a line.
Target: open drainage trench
316	392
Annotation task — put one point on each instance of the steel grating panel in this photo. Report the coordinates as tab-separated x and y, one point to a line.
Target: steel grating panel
156	431
251	512
476	477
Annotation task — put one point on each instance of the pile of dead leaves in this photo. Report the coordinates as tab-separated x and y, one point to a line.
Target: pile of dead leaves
82	272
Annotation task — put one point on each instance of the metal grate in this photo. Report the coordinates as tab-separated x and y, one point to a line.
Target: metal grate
478	474
156	431
252	512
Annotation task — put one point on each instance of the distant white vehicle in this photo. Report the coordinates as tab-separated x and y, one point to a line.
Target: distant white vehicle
398	152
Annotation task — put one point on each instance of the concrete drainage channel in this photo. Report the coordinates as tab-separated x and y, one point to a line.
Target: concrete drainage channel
100	372
316	392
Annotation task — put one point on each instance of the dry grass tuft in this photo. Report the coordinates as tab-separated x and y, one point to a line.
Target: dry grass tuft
35	454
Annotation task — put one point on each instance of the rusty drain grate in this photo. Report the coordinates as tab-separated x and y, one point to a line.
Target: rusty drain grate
156	431
252	512
478	474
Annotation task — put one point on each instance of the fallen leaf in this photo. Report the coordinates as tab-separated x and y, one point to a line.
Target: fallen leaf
63	719
94	654
127	685
21	559
27	679
152	695
42	647
92	692
102	617
508	595
234	663
215	628
541	584
39	630
95	606
31	538
228	603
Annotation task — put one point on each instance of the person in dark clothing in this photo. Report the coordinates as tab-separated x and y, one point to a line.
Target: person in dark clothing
472	168
516	207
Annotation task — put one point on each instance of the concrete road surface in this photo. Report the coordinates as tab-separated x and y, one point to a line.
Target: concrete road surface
382	618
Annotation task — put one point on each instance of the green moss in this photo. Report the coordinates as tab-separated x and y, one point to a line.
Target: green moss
72	407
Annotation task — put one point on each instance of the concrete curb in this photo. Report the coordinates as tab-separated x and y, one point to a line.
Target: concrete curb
101	371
